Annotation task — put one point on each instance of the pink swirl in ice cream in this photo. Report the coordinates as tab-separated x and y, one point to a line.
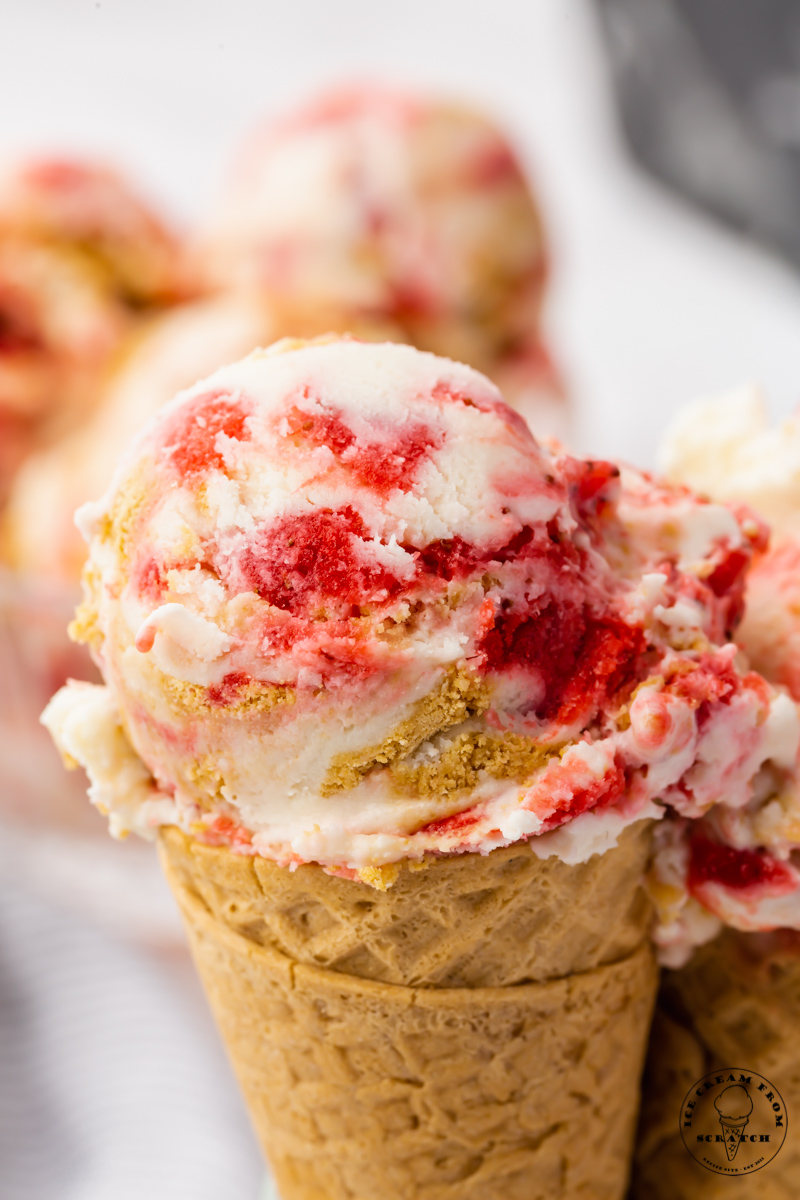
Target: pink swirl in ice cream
349	611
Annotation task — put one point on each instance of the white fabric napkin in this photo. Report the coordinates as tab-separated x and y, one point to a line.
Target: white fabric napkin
113	1082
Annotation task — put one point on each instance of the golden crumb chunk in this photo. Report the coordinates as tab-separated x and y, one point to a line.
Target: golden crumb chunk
84	628
118	524
380	878
195	698
460	695
463	760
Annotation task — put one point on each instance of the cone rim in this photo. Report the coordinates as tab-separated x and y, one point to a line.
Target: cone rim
166	832
194	909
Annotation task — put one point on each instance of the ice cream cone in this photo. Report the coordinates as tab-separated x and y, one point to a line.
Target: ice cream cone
353	619
472	1032
734	1106
737	1000
731	1131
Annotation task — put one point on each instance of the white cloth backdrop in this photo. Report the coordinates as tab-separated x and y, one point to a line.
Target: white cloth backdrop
112	1083
651	303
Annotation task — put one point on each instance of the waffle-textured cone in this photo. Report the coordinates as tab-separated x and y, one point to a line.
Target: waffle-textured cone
431	1087
736	1003
465	921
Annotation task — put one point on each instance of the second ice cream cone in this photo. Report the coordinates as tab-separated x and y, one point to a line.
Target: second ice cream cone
735	1001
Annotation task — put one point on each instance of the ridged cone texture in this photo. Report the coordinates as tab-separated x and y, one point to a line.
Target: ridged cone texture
737	1002
476	1032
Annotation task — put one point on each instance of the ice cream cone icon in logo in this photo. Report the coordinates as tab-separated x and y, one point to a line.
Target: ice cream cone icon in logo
733	1121
734	1106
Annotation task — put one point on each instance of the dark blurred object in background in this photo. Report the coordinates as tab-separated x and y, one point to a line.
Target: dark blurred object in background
709	98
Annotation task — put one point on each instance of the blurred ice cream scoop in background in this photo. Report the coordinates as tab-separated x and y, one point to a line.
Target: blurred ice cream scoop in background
81	255
93	211
168	352
59	327
85	264
388	215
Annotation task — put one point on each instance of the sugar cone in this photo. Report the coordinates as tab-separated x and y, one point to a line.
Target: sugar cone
736	1002
379	1042
464	921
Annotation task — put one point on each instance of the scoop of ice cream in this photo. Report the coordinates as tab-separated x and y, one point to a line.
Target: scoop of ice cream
734	1103
169	353
371	203
740	865
59	327
725	447
80	257
349	611
94	212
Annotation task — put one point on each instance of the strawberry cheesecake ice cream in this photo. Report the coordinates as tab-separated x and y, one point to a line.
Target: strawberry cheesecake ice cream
58	331
81	256
725	882
403	693
725	447
389	216
349	612
738	864
93	212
